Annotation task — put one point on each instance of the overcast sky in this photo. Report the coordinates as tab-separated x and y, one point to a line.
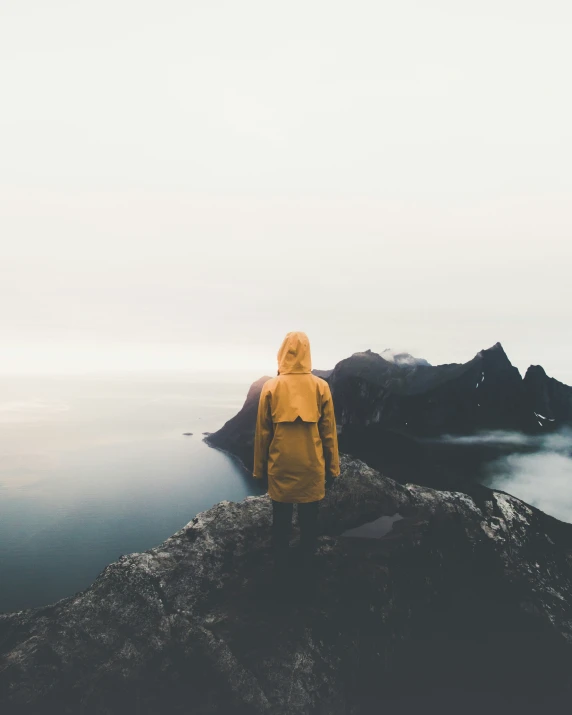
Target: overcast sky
183	182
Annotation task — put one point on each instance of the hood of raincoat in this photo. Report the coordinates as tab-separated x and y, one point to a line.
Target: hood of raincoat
294	354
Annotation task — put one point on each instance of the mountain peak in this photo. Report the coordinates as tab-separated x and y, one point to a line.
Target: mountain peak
535	371
495	351
497	347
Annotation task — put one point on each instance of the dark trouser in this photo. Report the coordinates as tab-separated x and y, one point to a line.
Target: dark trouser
282	524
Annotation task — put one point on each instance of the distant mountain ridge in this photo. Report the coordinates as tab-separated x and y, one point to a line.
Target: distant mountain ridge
386	408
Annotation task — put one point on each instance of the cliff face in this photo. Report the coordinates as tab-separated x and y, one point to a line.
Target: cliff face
237	435
549	399
466	602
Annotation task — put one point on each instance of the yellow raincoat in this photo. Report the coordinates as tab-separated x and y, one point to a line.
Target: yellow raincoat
296	442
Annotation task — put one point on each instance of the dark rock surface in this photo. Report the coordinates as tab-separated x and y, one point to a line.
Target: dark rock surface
464	606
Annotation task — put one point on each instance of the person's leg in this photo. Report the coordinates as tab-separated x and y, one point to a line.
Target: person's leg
308	519
281	528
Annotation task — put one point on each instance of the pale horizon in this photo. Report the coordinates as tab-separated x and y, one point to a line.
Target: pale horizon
91	361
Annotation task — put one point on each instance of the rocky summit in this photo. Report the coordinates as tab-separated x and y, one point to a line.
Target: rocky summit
456	603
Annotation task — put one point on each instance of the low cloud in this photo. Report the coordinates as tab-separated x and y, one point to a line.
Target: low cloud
539	471
493	437
543	479
560	441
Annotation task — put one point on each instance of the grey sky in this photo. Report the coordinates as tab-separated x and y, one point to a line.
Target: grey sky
182	183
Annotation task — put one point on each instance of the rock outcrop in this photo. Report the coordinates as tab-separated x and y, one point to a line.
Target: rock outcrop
236	436
464	606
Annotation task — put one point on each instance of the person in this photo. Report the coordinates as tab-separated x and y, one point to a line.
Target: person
295	447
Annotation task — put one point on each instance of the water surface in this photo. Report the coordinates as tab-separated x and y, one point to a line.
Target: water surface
92	468
375	529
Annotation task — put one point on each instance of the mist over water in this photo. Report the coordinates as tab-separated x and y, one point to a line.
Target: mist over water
543	479
560	441
539	471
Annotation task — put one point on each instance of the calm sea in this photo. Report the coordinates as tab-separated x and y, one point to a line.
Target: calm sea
92	468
